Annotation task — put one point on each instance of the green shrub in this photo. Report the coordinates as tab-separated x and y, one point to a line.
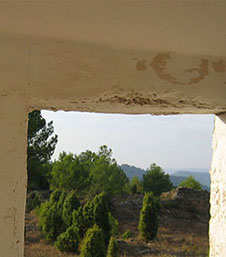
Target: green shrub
71	203
68	241
127	234
33	201
133	189
190	182
100	215
156	180
112	248
50	215
93	244
55	196
79	221
148	224
52	223
114	225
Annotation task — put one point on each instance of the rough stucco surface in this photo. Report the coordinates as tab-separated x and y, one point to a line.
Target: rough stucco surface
13	119
218	190
121	56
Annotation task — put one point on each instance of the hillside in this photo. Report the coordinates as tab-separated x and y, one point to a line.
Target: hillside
176	178
132	171
202	177
183	227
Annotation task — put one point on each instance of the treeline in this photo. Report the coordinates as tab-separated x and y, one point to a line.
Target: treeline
86	173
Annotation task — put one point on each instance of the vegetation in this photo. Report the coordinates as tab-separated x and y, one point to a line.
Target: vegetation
156	180
40	146
93	244
127	234
69	240
148	224
114	225
136	186
33	201
88	225
50	215
190	182
112	248
71	203
89	173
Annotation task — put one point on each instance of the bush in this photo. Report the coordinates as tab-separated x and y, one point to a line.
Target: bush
33	201
51	223
190	182
114	225
71	203
50	214
148	224
78	220
112	248
68	241
93	244
127	234
133	189
156	180
100	215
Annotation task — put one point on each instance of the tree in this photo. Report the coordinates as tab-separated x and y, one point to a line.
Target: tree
148	223
50	215
68	241
101	214
190	182
135	185
71	203
72	172
106	175
93	244
40	147
155	180
88	173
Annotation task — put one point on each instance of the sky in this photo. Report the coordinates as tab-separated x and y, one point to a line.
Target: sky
177	142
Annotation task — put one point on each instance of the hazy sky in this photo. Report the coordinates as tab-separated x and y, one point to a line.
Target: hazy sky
173	142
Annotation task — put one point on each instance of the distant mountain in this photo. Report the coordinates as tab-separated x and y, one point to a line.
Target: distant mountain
202	177
132	171
176	178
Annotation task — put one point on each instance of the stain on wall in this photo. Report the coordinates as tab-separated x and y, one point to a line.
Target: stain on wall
202	71
159	65
219	66
141	65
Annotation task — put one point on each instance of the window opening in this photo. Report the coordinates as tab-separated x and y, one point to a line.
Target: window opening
78	156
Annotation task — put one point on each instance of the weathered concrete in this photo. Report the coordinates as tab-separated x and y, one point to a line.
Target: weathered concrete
218	190
13	119
121	56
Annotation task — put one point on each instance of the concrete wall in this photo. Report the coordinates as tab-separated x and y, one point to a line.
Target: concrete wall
13	120
218	190
121	56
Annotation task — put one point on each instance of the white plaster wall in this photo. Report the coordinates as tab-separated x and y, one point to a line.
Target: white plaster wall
13	177
217	230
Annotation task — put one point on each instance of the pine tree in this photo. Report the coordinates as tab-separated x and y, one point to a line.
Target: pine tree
93	244
71	203
68	241
148	224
